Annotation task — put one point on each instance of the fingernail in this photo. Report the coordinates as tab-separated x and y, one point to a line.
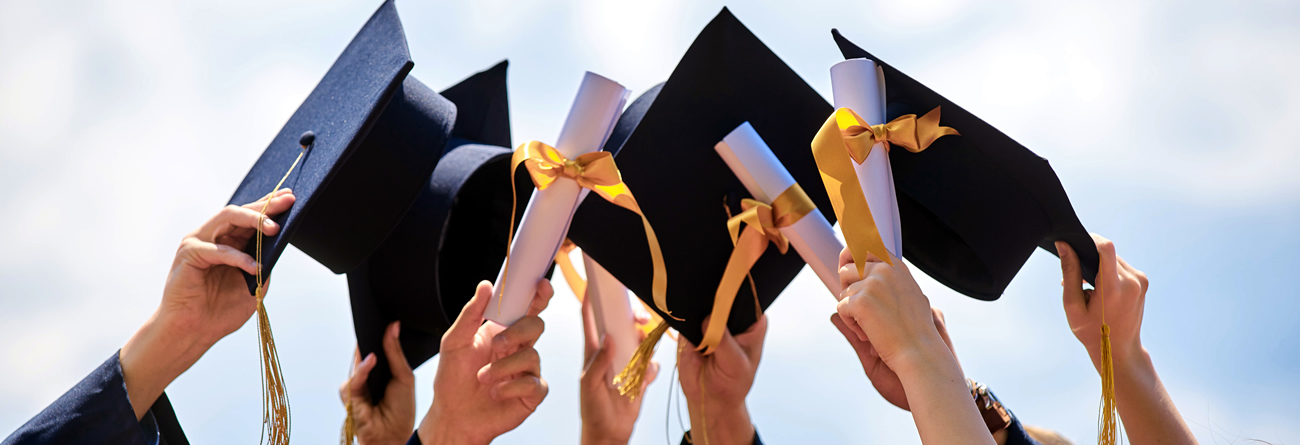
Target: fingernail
1062	247
369	358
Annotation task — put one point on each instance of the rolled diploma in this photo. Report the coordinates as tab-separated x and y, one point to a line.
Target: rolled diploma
858	85
766	178
546	219
612	312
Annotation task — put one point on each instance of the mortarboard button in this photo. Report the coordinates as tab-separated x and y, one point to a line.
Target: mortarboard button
375	135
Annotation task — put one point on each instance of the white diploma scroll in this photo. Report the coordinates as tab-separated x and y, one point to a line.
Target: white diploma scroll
612	311
766	178
546	219
859	85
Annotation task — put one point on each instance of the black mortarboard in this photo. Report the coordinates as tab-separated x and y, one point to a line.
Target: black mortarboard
974	206
668	160
378	134
452	237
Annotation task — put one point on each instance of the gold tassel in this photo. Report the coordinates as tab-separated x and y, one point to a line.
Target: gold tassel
1108	427
275	398
349	432
633	375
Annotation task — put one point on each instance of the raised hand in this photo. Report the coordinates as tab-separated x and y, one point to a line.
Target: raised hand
392	420
488	382
607	416
715	385
205	299
1148	412
887	308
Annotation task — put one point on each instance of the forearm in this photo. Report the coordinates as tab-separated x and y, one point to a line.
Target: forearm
724	425
1148	413
155	356
940	401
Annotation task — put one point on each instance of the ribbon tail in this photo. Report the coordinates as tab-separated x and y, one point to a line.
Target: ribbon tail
847	198
576	283
749	248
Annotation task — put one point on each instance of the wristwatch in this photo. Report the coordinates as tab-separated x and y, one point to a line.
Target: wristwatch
995	415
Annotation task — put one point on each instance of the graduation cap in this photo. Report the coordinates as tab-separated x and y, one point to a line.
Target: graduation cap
452	237
376	135
665	150
974	206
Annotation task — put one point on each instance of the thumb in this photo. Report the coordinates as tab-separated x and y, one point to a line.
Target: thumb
467	323
1071	279
600	364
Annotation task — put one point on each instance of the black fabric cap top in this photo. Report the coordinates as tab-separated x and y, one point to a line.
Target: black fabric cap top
664	143
377	135
973	207
452	237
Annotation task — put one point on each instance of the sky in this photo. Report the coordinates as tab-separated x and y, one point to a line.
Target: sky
125	124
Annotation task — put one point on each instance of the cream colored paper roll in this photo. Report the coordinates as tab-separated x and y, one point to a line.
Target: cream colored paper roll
766	178
858	84
612	311
546	218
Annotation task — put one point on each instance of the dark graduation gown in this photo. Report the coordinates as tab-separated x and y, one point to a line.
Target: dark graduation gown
98	411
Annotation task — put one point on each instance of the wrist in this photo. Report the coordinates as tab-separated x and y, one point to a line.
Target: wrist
156	355
437	429
928	358
723	424
590	437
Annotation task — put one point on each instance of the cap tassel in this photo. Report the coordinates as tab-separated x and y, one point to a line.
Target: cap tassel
349	432
275	398
630	380
1108	427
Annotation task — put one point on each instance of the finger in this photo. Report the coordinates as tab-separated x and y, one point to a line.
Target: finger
523	362
523	334
651	373
396	357
846	257
846	310
204	255
542	297
751	341
282	201
941	324
688	362
466	325
1140	276
234	217
728	354
1108	269
1071	279
530	390
598	367
357	383
356	358
848	276
591	341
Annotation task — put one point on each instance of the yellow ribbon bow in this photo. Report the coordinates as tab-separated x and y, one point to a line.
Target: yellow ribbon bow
597	172
762	224
843	132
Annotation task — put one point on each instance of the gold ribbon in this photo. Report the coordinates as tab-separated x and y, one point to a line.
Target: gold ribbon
843	132
597	172
576	283
762	224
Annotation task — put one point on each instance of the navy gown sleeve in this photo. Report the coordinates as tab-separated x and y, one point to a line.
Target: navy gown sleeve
95	411
1016	434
